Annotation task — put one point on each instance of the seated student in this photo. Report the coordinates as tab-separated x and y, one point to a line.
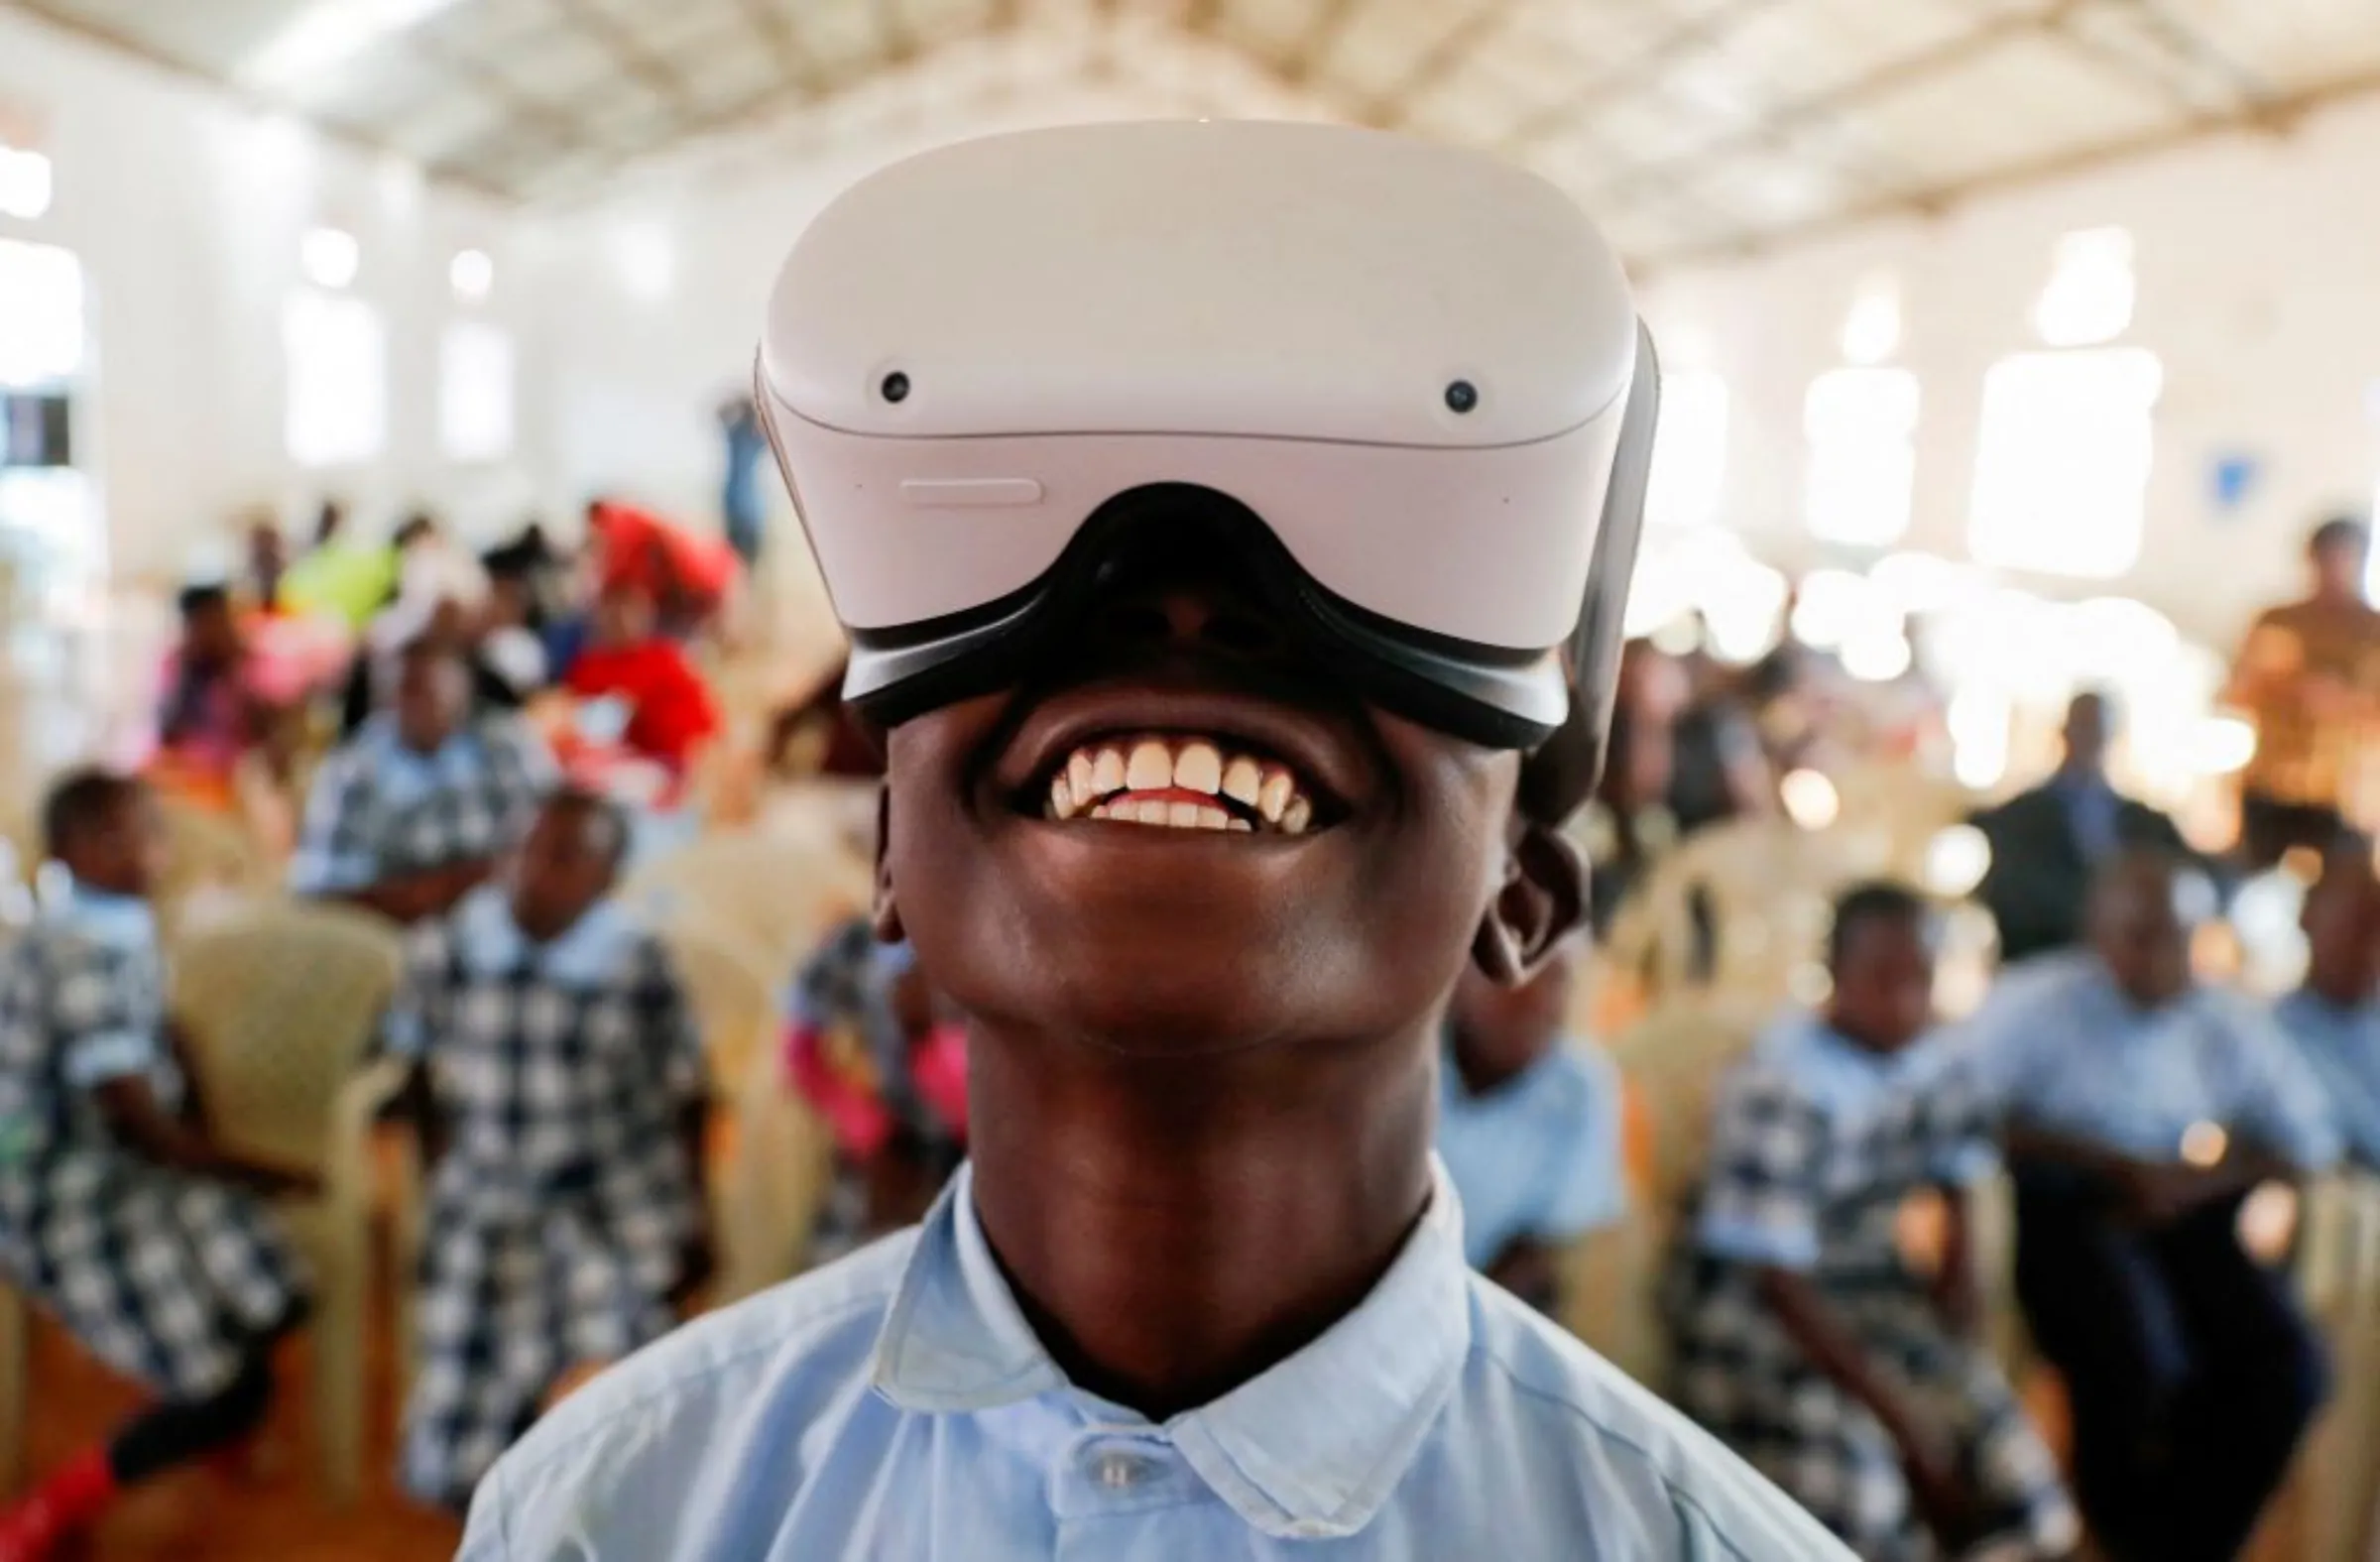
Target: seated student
1816	1333
2140	1110
1199	873
411	813
118	1215
560	1084
220	701
2334	1018
670	710
874	1051
1528	1125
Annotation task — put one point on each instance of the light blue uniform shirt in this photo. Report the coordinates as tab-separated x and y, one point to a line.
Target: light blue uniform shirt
1539	1155
897	1406
2341	1049
2062	1048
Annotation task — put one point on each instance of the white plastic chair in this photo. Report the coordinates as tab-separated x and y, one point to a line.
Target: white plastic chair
778	890
280	1003
776	1180
1670	1061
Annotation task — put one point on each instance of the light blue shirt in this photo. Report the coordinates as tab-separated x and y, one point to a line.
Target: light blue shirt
583	957
1539	1155
2061	1048
897	1406
2341	1049
129	1042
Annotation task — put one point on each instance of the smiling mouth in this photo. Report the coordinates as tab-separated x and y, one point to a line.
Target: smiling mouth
1180	782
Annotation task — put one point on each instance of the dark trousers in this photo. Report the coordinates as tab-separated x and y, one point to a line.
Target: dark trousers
2190	1370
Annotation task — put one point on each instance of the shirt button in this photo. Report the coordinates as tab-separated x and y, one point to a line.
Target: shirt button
1119	1472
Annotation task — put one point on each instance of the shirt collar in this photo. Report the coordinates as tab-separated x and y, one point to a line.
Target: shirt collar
120	921
1310	1449
586	955
403	774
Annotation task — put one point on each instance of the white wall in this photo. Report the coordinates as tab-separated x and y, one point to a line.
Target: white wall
2259	269
635	377
186	213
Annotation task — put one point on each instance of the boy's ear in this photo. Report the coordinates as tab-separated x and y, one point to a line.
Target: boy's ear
1543	899
884	913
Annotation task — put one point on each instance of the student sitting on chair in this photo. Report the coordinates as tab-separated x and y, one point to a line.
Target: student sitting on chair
561	1086
1827	1309
879	1055
2140	1112
2334	1018
146	1238
412	813
1528	1125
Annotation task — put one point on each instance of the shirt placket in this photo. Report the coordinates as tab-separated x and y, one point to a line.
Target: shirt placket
1109	1471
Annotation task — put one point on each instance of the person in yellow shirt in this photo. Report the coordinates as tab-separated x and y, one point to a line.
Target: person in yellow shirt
2308	676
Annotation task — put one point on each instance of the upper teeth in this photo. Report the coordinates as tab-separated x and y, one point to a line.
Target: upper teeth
1102	781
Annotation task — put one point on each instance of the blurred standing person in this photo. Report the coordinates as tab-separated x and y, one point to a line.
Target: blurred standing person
2308	676
2046	842
741	508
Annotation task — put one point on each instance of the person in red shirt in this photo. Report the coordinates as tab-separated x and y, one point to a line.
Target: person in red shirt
688	577
670	710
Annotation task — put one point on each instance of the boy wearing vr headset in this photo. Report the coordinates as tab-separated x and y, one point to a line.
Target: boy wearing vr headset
1220	555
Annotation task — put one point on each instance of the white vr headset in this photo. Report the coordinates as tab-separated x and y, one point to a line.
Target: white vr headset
1405	383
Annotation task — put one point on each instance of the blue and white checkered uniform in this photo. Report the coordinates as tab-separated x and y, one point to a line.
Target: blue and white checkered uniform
168	1279
379	810
2058	1046
560	1212
1818	1147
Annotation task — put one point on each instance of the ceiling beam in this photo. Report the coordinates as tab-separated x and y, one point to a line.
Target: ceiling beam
634	58
1330	20
558	125
2288	110
794	63
1778	125
892	33
1442	59
1638	73
2163	57
342	132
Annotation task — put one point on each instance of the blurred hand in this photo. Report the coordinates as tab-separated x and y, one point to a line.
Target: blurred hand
1941	1498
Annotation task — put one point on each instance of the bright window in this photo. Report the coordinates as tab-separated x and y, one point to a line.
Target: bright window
1861	425
2062	464
24	184
2091	289
41	314
475	393
1690	450
337	361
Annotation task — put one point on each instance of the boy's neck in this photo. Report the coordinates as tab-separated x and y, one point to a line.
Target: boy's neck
1481	1075
1172	1228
